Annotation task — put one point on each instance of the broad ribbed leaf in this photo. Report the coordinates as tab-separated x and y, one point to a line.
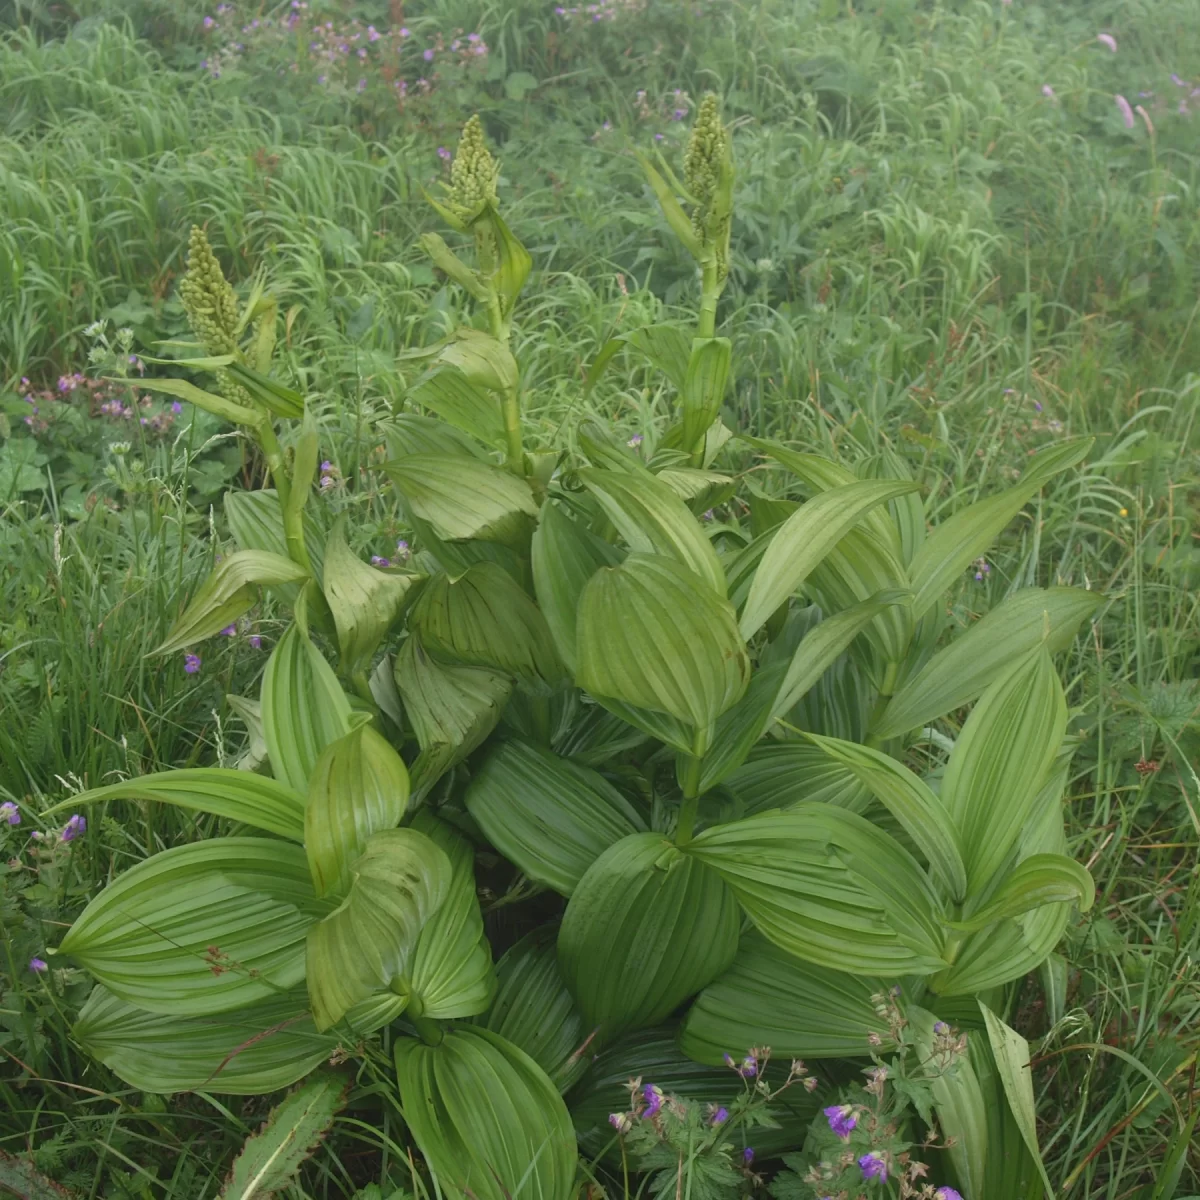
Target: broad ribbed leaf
464	404
465	498
200	929
485	619
654	1055
910	800
957	674
513	262
303	708
652	519
660	725
954	544
358	787
239	795
411	433
486	1118
364	601
829	887
546	814
450	974
565	555
782	774
1038	880
230	591
256	522
482	358
219	406
667	347
805	538
396	884
653	635
451	708
645	928
274	396
1000	761
740	728
533	1008
704	387
771	998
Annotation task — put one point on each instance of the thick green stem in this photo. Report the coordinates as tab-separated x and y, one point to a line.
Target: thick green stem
689	783
430	1031
890	675
710	293
293	521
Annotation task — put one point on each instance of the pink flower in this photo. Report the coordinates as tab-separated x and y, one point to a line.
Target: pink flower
1126	110
1107	39
1048	92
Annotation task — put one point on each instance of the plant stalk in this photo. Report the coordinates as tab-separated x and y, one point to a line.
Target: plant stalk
293	521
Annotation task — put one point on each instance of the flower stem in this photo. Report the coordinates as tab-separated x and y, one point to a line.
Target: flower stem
293	523
689	782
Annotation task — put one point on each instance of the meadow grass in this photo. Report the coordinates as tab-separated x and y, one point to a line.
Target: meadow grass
930	254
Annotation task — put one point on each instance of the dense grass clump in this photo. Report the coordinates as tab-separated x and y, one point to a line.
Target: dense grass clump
952	244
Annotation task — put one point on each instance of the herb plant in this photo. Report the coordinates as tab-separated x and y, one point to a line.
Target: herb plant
676	696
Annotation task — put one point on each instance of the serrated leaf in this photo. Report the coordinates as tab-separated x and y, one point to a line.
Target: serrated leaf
486	619
365	602
957	674
396	884
704	387
829	887
546	814
358	787
770	998
534	1011
486	1118
200	929
228	593
465	498
652	519
653	635
957	542
293	1130
565	555
804	539
1035	881
909	799
450	974
646	927
238	795
303	708
451	708
464	404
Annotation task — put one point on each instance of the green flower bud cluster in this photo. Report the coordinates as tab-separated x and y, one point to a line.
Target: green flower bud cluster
473	173
707	174
208	299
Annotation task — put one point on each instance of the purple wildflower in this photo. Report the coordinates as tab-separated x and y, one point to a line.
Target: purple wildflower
472	38
947	1193
176	407
378	561
10	813
679	114
38	965
361	86
940	1027
636	440
229	631
874	1165
621	1122
1107	39
444	154
427	55
326	467
720	1116
255	641
1126	110
372	34
402	547
842	1119
74	827
191	663
404	31
748	1155
658	137
654	1100
1048	92
209	22
327	481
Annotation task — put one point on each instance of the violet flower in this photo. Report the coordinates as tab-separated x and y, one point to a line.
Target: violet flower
76	826
654	1100
10	813
720	1116
748	1155
229	631
191	663
255	641
947	1193
38	965
842	1119
874	1165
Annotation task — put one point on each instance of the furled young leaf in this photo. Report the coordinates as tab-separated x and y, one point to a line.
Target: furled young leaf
277	398
293	1129
804	539
465	497
653	635
1000	761
451	708
565	555
957	674
678	220
252	1050
303	708
513	262
256	522
230	591
546	814
486	1118
829	887
920	812
239	795
704	387
396	884
486	619
1037	880
305	455
533	1008
450	974
954	544
467	406
778	775
653	520
358	787
646	927
364	601
770	998
202	928
447	261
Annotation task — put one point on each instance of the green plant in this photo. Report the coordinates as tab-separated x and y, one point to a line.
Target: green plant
596	664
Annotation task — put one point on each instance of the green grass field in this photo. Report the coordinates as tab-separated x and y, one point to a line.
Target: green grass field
949	241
